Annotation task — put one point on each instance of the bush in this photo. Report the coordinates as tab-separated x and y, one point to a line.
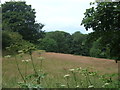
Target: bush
12	42
9	38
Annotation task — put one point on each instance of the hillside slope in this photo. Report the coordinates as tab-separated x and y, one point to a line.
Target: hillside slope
69	61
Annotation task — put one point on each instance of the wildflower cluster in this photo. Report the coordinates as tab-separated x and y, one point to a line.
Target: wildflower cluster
84	78
8	56
67	76
28	60
41	58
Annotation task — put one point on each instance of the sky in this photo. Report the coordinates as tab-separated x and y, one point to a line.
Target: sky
62	15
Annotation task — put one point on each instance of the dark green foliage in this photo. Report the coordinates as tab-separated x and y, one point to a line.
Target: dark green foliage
98	50
62	42
48	44
62	39
12	42
20	17
104	20
78	43
20	31
17	47
9	38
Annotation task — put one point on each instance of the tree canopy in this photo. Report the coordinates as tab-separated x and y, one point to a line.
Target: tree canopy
78	40
104	20
63	42
62	39
17	16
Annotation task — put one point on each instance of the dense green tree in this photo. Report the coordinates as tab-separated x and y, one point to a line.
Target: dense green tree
62	39
97	50
78	43
17	16
48	44
62	42
104	20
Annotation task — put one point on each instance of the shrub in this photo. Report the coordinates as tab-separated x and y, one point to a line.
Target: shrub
12	42
9	38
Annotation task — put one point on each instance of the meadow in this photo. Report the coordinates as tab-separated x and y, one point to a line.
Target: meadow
25	64
59	70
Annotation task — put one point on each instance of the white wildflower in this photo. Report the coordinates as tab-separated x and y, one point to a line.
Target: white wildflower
67	75
20	51
91	86
41	58
26	60
71	70
77	86
23	60
62	85
106	84
8	56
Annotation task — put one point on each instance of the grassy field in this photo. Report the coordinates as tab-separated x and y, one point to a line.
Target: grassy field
56	65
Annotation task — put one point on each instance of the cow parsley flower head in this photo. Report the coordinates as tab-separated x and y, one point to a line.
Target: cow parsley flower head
62	85
67	75
20	51
107	83
71	70
8	56
26	60
41	58
91	86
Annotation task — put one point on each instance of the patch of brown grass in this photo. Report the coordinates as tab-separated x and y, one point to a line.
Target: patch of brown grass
55	64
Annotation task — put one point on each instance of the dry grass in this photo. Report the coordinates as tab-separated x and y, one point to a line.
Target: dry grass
59	61
55	64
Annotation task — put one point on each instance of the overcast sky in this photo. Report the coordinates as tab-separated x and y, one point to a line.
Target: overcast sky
63	15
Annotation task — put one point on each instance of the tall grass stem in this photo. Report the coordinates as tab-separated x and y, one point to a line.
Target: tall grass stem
19	70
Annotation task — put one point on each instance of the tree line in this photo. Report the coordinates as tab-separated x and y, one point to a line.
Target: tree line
19	29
